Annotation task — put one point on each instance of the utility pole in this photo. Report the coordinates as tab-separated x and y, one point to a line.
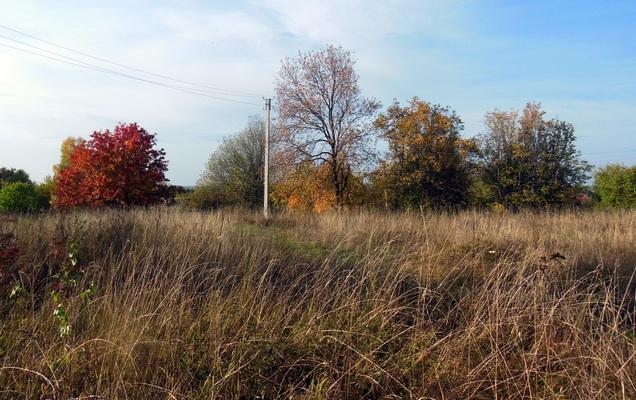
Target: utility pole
268	107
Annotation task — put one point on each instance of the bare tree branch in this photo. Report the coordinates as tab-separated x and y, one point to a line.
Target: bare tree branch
322	115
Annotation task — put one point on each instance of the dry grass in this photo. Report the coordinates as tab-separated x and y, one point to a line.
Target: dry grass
361	305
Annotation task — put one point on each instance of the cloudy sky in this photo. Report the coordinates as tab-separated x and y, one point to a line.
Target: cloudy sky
576	57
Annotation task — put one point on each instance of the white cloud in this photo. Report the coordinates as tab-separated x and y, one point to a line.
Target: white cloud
361	20
238	47
18	86
234	28
403	47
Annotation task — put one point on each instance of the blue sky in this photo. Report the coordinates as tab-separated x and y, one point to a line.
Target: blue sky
578	58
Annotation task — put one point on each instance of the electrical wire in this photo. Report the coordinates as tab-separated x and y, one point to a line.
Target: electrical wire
92	67
228	91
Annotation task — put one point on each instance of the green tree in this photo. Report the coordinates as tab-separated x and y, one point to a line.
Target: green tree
234	172
529	161
13	175
428	162
615	186
21	197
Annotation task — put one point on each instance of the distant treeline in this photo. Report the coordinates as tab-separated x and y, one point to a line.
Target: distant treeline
324	155
522	161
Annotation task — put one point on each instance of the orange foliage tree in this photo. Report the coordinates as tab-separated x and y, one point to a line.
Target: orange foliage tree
307	187
121	168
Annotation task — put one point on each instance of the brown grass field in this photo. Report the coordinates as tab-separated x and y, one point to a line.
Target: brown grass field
224	305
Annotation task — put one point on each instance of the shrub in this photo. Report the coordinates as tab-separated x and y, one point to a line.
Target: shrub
22	197
307	187
204	197
615	186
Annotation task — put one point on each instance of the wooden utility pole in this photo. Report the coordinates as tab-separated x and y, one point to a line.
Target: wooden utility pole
268	107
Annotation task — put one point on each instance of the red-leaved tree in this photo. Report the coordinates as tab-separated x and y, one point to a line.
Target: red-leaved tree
118	168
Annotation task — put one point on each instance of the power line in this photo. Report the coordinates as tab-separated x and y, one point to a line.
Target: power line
92	67
228	91
103	69
82	64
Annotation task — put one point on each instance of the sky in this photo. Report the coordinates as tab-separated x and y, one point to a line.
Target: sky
578	58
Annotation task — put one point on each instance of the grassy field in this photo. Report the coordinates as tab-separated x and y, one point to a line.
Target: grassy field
168	304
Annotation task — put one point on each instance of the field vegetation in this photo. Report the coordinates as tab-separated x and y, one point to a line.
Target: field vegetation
376	278
170	304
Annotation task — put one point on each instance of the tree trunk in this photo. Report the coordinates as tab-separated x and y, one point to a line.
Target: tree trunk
340	182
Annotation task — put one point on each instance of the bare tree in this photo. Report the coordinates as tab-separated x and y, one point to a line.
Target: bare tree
322	115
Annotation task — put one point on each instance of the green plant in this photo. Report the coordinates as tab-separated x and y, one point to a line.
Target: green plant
12	175
234	172
531	162
61	315
22	197
615	186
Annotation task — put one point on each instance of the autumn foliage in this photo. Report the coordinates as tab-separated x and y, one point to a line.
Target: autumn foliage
428	162
307	188
118	168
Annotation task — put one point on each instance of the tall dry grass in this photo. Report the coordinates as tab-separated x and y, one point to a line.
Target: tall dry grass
362	305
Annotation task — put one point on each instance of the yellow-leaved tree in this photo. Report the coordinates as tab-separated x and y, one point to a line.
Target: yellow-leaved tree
307	187
428	162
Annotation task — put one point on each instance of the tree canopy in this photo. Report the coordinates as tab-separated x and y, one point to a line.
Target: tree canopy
234	172
322	114
120	167
12	175
66	150
615	186
428	162
529	161
21	197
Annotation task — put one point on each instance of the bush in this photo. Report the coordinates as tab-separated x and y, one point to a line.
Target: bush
615	186
204	197
47	188
22	197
